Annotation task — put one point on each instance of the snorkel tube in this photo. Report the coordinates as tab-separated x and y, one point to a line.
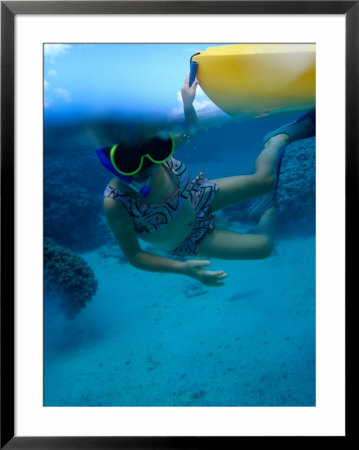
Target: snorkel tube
142	189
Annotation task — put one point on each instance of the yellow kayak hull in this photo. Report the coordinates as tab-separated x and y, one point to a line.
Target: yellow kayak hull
258	79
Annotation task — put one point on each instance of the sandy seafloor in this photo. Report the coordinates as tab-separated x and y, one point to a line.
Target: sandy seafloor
150	339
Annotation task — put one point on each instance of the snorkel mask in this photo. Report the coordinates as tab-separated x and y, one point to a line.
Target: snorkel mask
138	157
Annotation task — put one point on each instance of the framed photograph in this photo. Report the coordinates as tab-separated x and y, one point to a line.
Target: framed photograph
177	183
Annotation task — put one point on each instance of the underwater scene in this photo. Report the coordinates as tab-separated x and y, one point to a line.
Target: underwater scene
128	319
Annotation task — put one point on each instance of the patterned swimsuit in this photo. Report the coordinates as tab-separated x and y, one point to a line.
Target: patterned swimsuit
149	218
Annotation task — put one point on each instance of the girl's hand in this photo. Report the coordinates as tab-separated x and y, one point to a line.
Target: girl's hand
188	92
194	268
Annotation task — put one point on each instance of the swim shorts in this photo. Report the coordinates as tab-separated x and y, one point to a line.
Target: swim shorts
202	192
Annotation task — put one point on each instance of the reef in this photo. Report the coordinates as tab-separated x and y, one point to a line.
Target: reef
73	205
296	187
69	276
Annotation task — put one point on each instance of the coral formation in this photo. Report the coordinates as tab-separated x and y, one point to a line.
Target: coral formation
73	214
68	275
296	187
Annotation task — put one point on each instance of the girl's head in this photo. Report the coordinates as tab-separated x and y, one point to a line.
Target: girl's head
132	158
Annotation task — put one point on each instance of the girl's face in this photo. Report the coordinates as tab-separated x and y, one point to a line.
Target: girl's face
146	174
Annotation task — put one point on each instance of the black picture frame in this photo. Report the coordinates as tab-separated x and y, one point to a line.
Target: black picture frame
9	9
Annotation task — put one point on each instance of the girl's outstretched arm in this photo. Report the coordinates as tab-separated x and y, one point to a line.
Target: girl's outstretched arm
122	228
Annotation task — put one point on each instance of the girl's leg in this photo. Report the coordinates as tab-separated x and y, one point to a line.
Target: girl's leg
243	187
225	244
230	245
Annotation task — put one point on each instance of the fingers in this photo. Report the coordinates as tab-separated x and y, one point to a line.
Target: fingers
186	82
205	263
219	275
198	263
215	278
197	269
214	282
202	263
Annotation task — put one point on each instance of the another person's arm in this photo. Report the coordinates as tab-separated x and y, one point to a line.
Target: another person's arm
123	230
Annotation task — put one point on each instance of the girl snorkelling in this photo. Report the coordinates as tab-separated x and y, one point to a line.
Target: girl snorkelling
153	197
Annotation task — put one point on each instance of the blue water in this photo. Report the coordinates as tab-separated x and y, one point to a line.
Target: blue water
149	339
